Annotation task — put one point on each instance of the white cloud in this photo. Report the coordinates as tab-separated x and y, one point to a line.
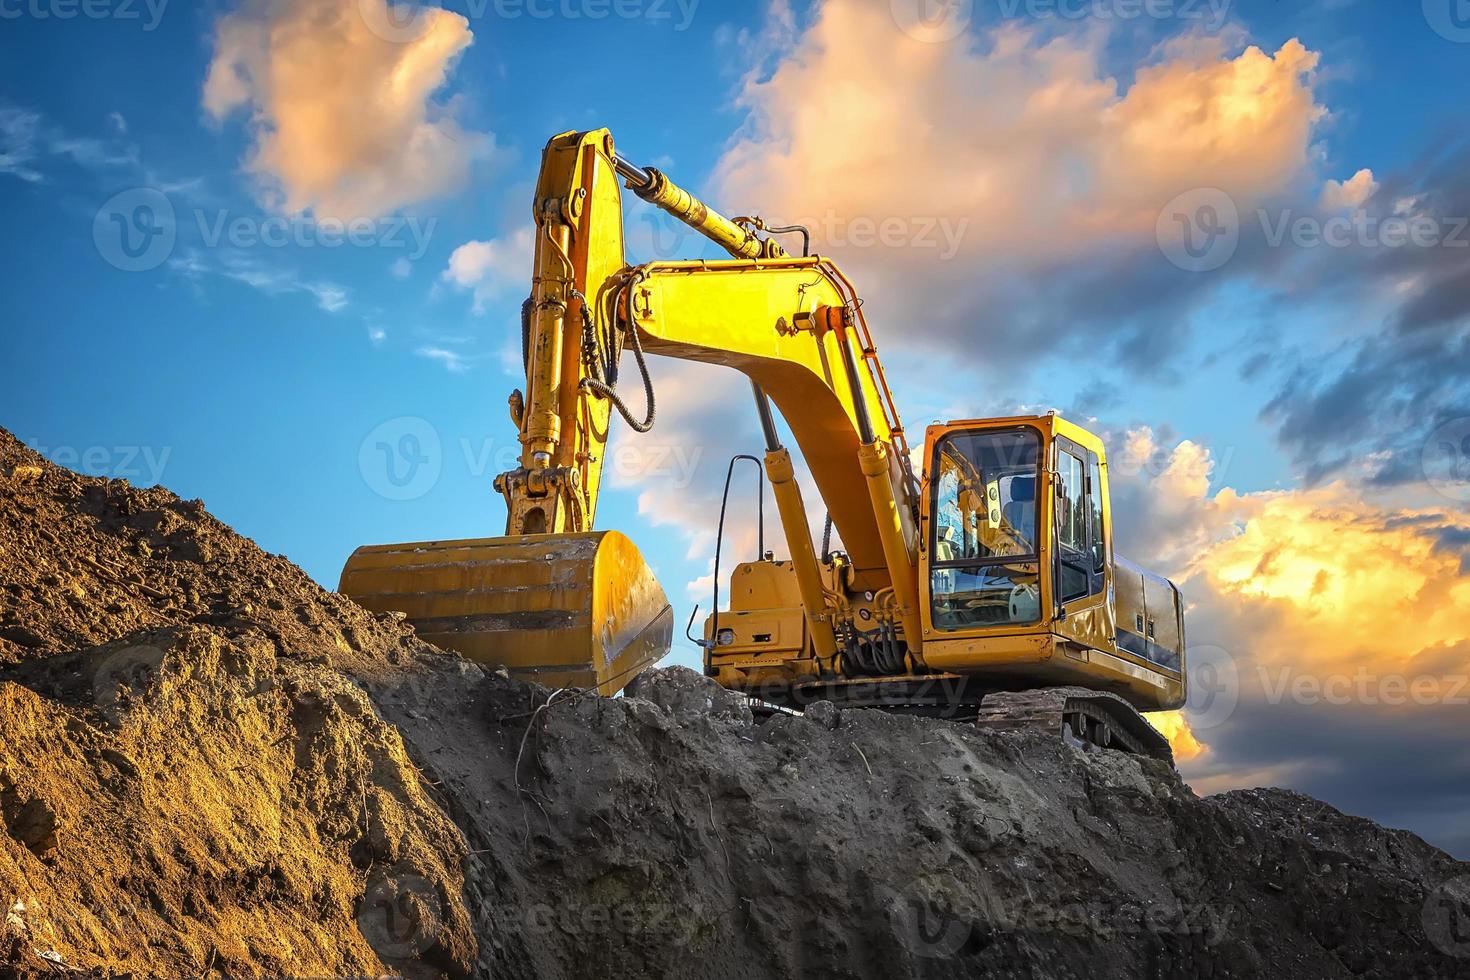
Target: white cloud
490	269
401	268
269	279
344	120
453	361
18	132
28	140
1320	582
1350	194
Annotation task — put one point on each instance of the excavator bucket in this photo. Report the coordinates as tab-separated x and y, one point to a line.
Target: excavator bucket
565	610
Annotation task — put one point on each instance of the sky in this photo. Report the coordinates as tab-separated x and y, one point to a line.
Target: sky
271	253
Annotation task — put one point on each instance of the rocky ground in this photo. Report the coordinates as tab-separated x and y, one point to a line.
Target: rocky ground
209	766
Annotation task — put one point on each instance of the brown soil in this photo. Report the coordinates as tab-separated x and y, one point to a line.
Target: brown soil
212	767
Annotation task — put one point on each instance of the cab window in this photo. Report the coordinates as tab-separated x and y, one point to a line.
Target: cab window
1081	547
1095	508
983	549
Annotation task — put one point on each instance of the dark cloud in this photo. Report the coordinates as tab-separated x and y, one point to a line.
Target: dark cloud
1372	407
1365	762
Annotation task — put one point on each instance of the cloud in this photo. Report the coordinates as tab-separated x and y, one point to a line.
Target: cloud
1342	622
1175	727
269	279
18	134
1350	194
490	269
1367	409
453	361
676	473
344	120
27	141
1047	174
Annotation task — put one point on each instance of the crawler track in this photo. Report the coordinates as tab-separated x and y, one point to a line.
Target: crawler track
1092	720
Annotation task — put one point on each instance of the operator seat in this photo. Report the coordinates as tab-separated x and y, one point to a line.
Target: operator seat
1020	510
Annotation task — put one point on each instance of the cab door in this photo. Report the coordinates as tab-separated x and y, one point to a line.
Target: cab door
1080	545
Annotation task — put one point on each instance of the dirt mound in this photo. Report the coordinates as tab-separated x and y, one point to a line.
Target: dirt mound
190	782
213	767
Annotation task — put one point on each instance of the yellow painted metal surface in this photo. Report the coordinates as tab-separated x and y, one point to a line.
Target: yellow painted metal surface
804	567
760	318
566	610
738	241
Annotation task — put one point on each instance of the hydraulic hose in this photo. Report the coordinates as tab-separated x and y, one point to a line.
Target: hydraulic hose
604	363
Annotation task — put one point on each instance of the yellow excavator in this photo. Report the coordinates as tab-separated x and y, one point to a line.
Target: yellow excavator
984	588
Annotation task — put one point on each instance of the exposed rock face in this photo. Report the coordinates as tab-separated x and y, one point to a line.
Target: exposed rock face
210	766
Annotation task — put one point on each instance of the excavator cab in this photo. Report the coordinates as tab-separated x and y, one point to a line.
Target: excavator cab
1025	588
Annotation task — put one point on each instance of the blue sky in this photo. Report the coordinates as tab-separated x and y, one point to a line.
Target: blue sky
252	376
